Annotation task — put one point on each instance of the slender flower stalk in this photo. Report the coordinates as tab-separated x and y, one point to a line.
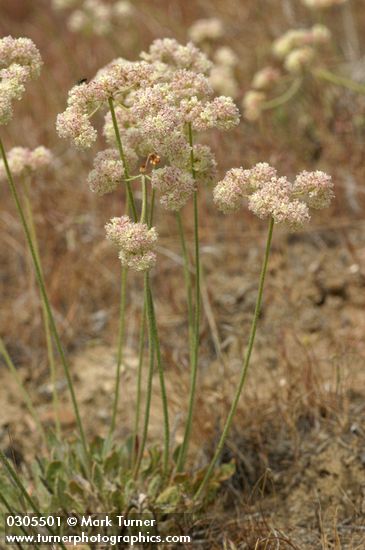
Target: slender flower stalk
285	97
338	80
42	287
47	330
245	365
152	209
151	346
123	158
153	331
123	284
139	383
195	344
120	353
187	277
153	335
25	395
144	216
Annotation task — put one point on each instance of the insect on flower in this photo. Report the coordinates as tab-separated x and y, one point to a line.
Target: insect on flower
153	159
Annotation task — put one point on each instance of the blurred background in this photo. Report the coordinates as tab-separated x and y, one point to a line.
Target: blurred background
308	365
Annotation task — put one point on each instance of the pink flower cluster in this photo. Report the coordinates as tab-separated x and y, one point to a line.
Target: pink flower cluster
320	4
296	50
108	172
271	196
168	53
204	162
99	17
174	185
115	81
158	100
20	61
136	242
24	161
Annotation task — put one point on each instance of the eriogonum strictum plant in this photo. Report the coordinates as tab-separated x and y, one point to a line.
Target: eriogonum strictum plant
275	198
25	164
297	55
206	34
320	4
156	106
20	61
98	17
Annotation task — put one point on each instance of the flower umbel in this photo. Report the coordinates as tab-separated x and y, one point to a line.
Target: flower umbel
136	242
20	61
175	186
24	161
271	196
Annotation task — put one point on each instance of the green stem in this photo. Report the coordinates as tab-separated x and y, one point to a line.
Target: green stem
149	306
25	395
245	365
144	216
285	97
123	158
338	80
139	382
187	277
144	200
153	337
121	334
152	209
12	474
43	291
195	355
151	347
47	331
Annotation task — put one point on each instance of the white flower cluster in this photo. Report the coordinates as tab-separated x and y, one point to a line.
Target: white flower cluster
295	52
95	16
23	161
268	195
157	99
20	61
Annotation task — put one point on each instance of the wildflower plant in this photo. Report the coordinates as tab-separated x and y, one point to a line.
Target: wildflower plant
155	107
298	56
95	17
154	111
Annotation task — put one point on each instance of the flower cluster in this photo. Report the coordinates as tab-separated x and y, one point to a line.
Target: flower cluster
320	4
169	54
64	4
24	161
108	172
153	115
95	16
206	33
222	76
296	51
174	185
271	196
156	105
114	81
20	61
296	39
206	30
136	242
